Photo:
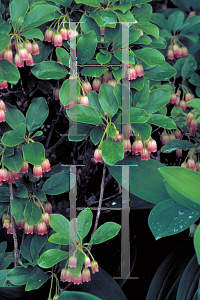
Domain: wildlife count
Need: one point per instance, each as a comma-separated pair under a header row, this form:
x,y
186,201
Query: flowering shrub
x,y
127,80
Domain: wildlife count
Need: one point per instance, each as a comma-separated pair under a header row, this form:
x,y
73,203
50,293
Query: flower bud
x,y
102,30
137,147
94,266
11,178
28,228
152,146
3,85
42,228
45,218
191,164
170,54
78,280
184,51
48,35
112,82
127,145
37,171
29,61
24,168
35,48
87,262
72,34
64,33
57,39
84,100
98,156
96,84
179,152
2,116
87,87
107,76
178,134
190,117
46,165
132,73
173,99
145,155
3,174
194,124
86,275
72,262
182,104
139,70
23,54
8,55
18,62
48,208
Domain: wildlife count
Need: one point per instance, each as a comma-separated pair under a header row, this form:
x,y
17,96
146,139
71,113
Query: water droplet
x,y
157,223
190,217
181,227
113,203
180,212
154,228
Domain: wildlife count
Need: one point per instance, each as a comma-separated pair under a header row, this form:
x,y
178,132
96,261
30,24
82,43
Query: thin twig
x,y
100,203
61,140
52,128
13,229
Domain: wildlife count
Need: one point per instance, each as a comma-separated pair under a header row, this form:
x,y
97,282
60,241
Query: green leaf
x,y
45,50
123,7
108,100
4,41
143,129
63,56
160,43
77,295
14,137
169,217
103,58
32,213
87,24
84,223
195,103
145,181
3,246
135,115
18,9
65,96
130,58
5,28
112,151
39,15
36,281
188,68
105,232
126,17
37,243
21,191
51,257
49,70
197,243
142,13
93,71
37,113
151,57
4,194
14,162
93,3
33,34
59,239
60,224
17,208
38,133
96,134
79,132
14,117
12,76
104,18
84,114
85,53
162,121
149,28
20,275
159,73
57,184
195,79
134,35
138,83
34,153
173,145
176,20
141,97
159,19
157,99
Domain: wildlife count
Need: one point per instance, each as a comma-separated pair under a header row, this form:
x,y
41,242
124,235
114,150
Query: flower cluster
x,y
192,160
134,72
176,51
56,37
84,276
175,99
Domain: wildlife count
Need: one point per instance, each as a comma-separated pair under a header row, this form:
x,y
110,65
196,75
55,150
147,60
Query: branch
x,y
14,229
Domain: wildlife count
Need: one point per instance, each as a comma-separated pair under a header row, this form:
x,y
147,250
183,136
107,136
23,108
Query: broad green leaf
x,y
17,208
45,50
84,223
3,246
103,58
13,75
143,40
151,57
37,243
33,34
5,28
38,133
105,18
36,281
176,20
93,71
37,113
159,73
59,239
4,41
20,275
123,7
112,151
135,115
84,114
195,79
157,99
39,15
4,194
21,191
159,44
120,54
120,92
195,103
148,28
188,68
51,257
49,70
3,207
183,180
63,56
32,213
126,17
25,248
60,224
141,97
108,100
96,134
134,35
87,24
14,137
18,9
14,117
48,246
138,83
169,217
93,3
162,121
173,145
197,243
34,153
57,184
105,232
142,13
65,3
65,96
79,132
145,181
14,162
159,19
80,295
40,195
85,53
143,129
